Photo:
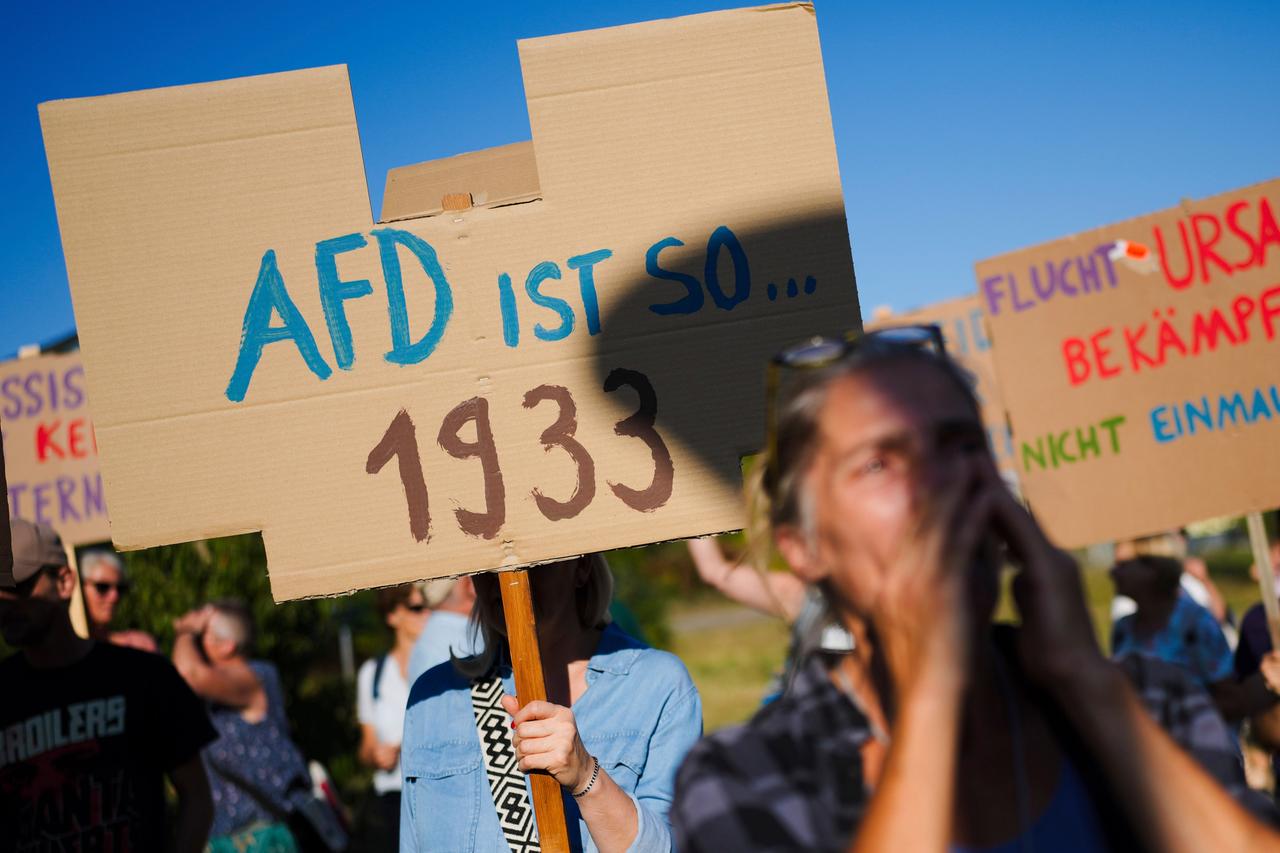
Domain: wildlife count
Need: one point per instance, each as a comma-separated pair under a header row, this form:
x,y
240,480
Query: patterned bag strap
x,y
506,782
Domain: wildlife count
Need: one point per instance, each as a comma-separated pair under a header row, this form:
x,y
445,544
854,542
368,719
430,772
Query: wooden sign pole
x,y
1266,576
522,638
79,614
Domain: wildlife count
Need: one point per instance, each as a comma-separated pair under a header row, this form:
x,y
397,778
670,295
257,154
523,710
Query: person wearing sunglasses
x,y
938,731
449,632
88,730
382,692
103,580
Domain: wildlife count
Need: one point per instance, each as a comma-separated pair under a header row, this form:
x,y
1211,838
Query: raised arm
x,y
232,684
778,594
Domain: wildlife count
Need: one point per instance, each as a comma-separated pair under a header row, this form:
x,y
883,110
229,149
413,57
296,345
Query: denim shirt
x,y
639,716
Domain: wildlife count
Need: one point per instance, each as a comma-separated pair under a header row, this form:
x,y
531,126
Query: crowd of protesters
x,y
904,719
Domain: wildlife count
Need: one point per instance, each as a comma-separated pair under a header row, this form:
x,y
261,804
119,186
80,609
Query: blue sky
x,y
964,130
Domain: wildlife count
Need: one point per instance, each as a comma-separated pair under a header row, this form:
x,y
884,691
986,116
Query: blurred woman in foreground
x,y
936,732
619,719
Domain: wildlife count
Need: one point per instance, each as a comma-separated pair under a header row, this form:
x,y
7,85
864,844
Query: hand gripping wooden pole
x,y
522,638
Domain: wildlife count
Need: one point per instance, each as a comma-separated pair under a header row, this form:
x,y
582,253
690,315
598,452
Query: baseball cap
x,y
34,547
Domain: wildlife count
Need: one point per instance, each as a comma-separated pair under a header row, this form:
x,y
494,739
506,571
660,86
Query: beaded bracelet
x,y
595,773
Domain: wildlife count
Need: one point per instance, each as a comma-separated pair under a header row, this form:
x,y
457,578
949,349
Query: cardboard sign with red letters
x,y
964,330
1140,365
51,454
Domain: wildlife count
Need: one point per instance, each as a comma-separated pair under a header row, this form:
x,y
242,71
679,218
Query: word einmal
x,y
1213,414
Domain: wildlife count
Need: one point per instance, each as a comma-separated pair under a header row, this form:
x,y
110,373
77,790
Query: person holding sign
x,y
619,718
937,731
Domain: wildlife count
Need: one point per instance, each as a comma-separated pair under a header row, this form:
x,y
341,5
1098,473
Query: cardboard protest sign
x,y
964,329
51,455
465,388
1140,367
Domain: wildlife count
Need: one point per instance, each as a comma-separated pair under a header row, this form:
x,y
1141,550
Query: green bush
x,y
646,580
1233,563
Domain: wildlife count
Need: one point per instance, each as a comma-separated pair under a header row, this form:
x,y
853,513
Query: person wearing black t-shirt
x,y
88,730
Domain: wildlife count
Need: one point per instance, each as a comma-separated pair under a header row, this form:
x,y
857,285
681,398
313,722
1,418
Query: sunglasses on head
x,y
819,352
105,587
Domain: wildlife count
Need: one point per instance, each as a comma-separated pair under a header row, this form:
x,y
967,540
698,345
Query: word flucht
x,y
1072,276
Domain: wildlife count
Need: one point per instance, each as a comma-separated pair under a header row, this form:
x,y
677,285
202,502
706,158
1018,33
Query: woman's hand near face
x,y
546,738
923,617
1056,642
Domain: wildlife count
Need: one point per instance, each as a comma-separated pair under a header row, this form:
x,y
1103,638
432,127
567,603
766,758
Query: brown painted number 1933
x,y
401,441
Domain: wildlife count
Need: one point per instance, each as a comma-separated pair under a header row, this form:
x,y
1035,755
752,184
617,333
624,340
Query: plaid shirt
x,y
790,779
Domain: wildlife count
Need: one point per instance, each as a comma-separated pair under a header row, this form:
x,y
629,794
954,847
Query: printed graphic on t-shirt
x,y
57,776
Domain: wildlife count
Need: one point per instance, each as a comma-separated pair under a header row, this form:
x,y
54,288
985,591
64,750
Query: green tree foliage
x,y
645,581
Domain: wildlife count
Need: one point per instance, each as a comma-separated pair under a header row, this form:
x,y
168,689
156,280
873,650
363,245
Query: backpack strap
x,y
378,667
506,782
